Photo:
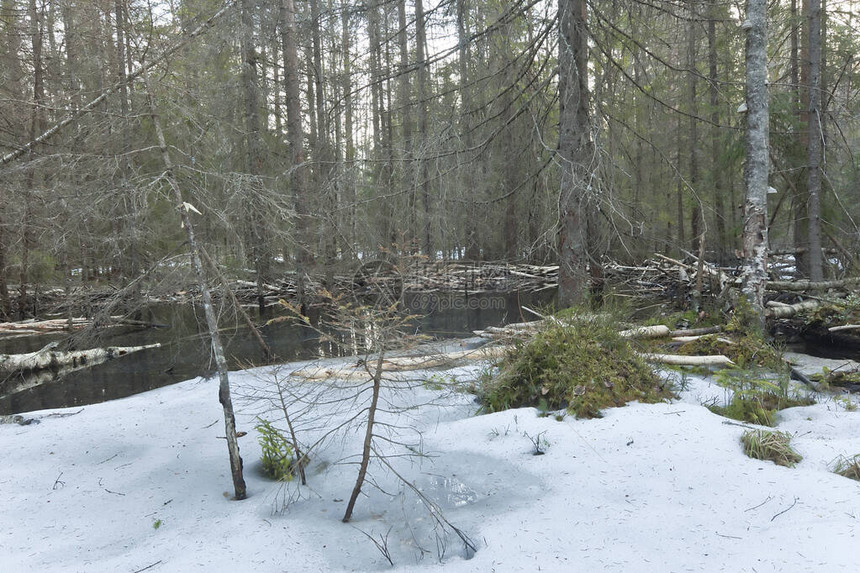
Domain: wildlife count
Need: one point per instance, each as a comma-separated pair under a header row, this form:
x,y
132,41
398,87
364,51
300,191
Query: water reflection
x,y
185,351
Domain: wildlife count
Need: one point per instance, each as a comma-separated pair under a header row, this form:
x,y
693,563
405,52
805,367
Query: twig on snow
x,y
148,566
381,543
785,510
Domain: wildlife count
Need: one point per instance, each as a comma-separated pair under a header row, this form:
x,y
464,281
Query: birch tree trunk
x,y
756,167
211,321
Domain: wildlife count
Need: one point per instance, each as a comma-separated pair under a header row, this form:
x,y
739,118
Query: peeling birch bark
x,y
756,167
792,309
45,359
657,331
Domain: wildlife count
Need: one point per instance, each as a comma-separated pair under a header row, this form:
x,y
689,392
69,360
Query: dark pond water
x,y
185,351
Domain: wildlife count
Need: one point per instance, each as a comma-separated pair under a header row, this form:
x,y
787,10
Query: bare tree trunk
x,y
696,222
368,437
682,237
295,136
404,102
211,321
473,251
717,144
129,266
254,152
5,301
349,136
800,79
323,152
755,241
37,125
423,95
575,152
814,143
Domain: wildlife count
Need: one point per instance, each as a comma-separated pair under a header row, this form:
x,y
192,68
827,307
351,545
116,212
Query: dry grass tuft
x,y
773,446
848,467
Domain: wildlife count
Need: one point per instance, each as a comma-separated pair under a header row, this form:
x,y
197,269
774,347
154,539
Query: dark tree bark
x,y
575,152
254,152
814,142
473,251
295,136
717,142
423,95
348,133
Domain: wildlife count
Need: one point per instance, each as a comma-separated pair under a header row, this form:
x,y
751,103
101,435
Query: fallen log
x,y
685,339
399,364
784,311
844,327
697,331
684,360
43,326
27,327
50,358
804,285
656,331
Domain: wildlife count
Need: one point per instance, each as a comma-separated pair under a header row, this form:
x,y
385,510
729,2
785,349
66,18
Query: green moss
x,y
581,365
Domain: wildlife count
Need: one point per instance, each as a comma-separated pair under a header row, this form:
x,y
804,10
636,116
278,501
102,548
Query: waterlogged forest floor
x,y
143,483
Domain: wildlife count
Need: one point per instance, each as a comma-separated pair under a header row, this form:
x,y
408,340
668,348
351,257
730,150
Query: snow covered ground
x,y
143,484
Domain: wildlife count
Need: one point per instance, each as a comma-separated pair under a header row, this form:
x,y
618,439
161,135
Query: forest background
x,y
307,136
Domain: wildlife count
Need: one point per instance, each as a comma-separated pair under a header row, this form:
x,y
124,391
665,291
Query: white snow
x,y
661,487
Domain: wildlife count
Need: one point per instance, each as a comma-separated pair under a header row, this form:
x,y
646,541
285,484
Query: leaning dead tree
x,y
211,320
183,207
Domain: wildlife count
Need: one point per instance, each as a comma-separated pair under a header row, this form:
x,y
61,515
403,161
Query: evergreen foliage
x,y
578,363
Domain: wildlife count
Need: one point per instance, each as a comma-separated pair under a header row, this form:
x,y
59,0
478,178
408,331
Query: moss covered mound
x,y
582,365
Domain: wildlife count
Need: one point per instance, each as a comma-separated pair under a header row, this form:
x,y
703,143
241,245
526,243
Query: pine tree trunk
x,y
423,95
295,136
575,151
814,142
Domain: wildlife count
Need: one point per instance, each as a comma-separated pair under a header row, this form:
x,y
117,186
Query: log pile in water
x,y
31,327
